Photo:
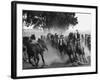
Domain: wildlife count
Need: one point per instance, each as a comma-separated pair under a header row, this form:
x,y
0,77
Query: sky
x,y
84,22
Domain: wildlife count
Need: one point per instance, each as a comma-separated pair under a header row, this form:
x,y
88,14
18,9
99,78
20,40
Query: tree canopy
x,y
50,19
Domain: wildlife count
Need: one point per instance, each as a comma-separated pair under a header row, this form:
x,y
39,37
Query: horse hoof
x,y
33,65
44,65
36,66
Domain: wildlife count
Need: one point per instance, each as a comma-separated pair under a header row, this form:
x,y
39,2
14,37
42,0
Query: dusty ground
x,y
53,59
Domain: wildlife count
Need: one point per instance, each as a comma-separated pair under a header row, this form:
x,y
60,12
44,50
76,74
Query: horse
x,y
80,52
30,52
61,45
69,49
33,51
43,44
25,56
55,41
43,47
49,37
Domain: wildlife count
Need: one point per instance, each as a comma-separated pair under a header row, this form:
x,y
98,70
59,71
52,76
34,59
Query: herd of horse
x,y
33,50
73,45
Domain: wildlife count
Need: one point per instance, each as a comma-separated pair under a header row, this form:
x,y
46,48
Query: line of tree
x,y
50,19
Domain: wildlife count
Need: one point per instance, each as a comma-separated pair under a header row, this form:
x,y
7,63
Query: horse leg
x,y
61,50
76,57
84,59
29,59
81,58
70,59
37,58
35,61
42,58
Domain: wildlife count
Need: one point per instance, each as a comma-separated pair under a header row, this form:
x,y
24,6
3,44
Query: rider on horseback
x,y
61,43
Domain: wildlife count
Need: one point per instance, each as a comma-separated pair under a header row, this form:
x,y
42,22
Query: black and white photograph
x,y
56,39
53,39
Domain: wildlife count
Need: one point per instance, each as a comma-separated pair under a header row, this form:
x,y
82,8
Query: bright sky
x,y
84,22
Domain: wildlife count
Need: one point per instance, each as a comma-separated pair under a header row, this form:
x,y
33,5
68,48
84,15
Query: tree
x,y
48,20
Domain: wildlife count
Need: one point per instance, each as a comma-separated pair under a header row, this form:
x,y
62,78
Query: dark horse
x,y
69,49
61,46
80,52
33,51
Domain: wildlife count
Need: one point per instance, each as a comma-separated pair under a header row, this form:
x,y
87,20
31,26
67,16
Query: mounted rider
x,y
77,35
61,40
78,38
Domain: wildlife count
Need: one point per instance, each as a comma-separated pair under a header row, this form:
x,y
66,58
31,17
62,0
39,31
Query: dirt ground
x,y
53,59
